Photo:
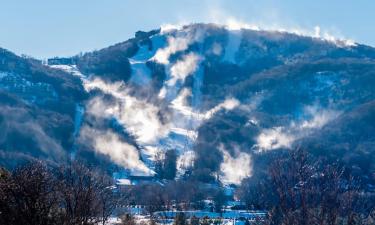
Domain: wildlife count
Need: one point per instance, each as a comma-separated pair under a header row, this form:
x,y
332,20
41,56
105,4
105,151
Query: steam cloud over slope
x,y
154,127
195,62
219,95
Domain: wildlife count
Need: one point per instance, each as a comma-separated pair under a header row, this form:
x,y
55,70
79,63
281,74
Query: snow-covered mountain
x,y
225,100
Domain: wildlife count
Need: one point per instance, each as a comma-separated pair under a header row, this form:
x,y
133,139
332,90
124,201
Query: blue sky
x,y
45,28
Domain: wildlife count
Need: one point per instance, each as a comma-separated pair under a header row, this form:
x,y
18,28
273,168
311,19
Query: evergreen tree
x,y
170,164
194,220
180,219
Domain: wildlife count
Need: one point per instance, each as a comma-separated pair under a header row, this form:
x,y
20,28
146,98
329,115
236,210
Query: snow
x,y
144,53
284,136
185,116
141,74
197,88
235,168
140,117
72,69
192,134
185,161
3,74
78,118
182,68
235,214
35,92
123,182
175,44
233,44
150,153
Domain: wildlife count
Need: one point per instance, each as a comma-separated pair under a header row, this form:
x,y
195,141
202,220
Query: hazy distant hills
x,y
224,99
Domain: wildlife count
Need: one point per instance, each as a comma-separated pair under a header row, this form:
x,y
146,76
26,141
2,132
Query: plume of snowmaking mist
x,y
275,137
142,118
182,68
181,106
188,64
219,15
138,116
186,119
18,120
110,144
235,168
284,136
175,44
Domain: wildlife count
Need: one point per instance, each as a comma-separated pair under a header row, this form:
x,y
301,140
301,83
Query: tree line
x,y
40,194
297,189
302,189
35,194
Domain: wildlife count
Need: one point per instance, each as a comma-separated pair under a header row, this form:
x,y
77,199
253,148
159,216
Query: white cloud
x,y
234,169
184,67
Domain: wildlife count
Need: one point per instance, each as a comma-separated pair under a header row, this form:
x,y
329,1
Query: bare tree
x,y
27,196
127,219
180,219
86,195
35,194
219,199
313,191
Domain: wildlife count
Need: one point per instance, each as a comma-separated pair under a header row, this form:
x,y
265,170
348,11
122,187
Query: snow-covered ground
x,y
72,69
225,218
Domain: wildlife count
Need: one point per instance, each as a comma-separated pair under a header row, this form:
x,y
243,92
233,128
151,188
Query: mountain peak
x,y
217,96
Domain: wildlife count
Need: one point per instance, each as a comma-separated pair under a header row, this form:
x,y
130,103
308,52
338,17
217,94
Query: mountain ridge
x,y
216,96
